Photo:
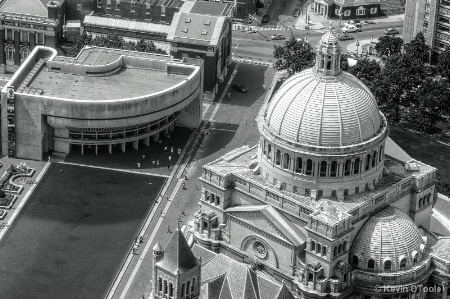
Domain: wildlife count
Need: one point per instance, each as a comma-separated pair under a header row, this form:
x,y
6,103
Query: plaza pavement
x,y
232,125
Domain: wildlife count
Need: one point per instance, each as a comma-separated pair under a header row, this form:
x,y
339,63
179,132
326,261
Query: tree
x,y
389,45
443,64
418,48
397,82
366,70
294,56
432,102
344,62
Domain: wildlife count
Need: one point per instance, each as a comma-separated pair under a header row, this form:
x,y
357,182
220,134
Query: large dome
x,y
388,241
319,110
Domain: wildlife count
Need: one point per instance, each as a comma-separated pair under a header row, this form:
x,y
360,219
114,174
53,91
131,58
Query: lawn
x,y
74,232
427,151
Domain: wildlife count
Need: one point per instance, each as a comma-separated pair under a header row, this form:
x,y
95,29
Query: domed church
x,y
326,202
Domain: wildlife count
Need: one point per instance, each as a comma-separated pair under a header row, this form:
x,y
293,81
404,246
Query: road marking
x,y
225,90
150,240
114,169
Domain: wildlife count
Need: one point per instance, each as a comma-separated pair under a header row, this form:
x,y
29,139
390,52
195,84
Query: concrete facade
x,y
35,122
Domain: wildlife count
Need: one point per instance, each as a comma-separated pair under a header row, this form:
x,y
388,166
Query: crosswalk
x,y
250,61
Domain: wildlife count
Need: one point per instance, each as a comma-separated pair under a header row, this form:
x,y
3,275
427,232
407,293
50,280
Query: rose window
x,y
259,249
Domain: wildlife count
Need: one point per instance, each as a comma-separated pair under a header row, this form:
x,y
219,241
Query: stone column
x,y
16,47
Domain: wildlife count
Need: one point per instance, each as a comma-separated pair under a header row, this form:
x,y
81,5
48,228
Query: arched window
x,y
355,260
206,196
387,265
170,290
299,165
24,53
159,284
429,198
278,158
9,53
335,253
345,246
323,168
371,264
340,248
333,169
374,160
368,162
324,251
193,285
309,167
318,248
420,202
402,263
188,287
356,166
381,154
313,245
286,161
415,257
182,289
264,147
347,167
269,152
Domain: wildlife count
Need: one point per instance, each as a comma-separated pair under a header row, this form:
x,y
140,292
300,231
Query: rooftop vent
x,y
207,22
188,20
185,30
204,32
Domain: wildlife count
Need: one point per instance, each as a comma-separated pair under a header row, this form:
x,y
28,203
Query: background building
x,y
350,9
326,201
100,99
432,17
23,27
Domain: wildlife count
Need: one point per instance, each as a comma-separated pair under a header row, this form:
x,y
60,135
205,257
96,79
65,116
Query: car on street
x,y
391,31
351,28
353,23
265,19
345,37
296,13
240,88
277,36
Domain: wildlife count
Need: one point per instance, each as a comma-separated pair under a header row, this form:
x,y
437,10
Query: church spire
x,y
328,57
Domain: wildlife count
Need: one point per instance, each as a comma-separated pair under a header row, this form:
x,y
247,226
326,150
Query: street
x,y
259,47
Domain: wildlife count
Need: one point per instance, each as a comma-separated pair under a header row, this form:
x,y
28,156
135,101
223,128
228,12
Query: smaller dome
x,y
388,241
157,247
330,38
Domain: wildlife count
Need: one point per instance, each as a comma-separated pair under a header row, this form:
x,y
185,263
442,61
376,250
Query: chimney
x,y
53,7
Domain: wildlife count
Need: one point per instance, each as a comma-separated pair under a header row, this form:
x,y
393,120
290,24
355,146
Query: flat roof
x,y
127,83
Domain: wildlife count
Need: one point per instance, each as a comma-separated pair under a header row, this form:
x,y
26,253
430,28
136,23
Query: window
x,y
133,9
320,193
347,13
445,20
39,38
381,153
373,10
356,166
309,167
344,247
318,248
427,7
313,246
387,265
426,16
368,162
117,4
10,53
335,252
340,248
23,36
99,3
403,264
269,152
108,4
163,10
345,192
299,165
347,165
24,52
323,168
324,251
295,189
147,8
374,160
371,264
333,193
355,260
78,6
188,287
336,11
307,192
333,169
286,161
9,34
278,158
415,257
356,190
360,11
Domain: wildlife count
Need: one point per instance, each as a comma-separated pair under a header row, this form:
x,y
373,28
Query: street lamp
x,y
357,45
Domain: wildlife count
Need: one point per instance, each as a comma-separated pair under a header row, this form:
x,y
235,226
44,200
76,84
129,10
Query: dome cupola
x,y
328,54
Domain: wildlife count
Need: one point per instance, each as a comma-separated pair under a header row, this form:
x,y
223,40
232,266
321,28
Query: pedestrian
x,y
168,229
171,149
160,212
141,239
168,166
139,165
182,213
179,151
134,250
143,157
170,158
157,162
153,162
48,158
165,148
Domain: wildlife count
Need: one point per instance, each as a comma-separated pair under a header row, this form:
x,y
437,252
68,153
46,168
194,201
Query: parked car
x,y
265,19
391,31
351,28
296,13
353,23
240,88
345,37
277,36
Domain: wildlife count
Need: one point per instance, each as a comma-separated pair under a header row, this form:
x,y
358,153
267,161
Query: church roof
x,y
29,7
393,150
290,231
178,255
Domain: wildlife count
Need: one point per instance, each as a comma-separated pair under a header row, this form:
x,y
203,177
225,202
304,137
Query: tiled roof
x,y
30,7
178,255
393,150
355,2
196,28
115,23
204,253
291,232
284,293
213,8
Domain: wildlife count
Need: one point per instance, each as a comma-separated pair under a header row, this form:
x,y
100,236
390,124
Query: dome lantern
x,y
328,57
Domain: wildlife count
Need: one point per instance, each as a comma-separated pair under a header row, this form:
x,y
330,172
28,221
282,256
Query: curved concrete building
x,y
101,98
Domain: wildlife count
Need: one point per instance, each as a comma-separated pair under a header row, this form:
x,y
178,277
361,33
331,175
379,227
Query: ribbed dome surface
x,y
329,38
323,110
388,235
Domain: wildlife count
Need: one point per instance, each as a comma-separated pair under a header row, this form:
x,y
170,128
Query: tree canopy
x,y
367,70
418,48
389,45
294,56
112,41
443,64
397,82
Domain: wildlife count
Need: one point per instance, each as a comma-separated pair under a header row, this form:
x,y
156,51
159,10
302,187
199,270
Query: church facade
x,y
326,202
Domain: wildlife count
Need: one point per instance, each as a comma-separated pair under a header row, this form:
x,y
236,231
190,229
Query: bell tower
x,y
328,57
